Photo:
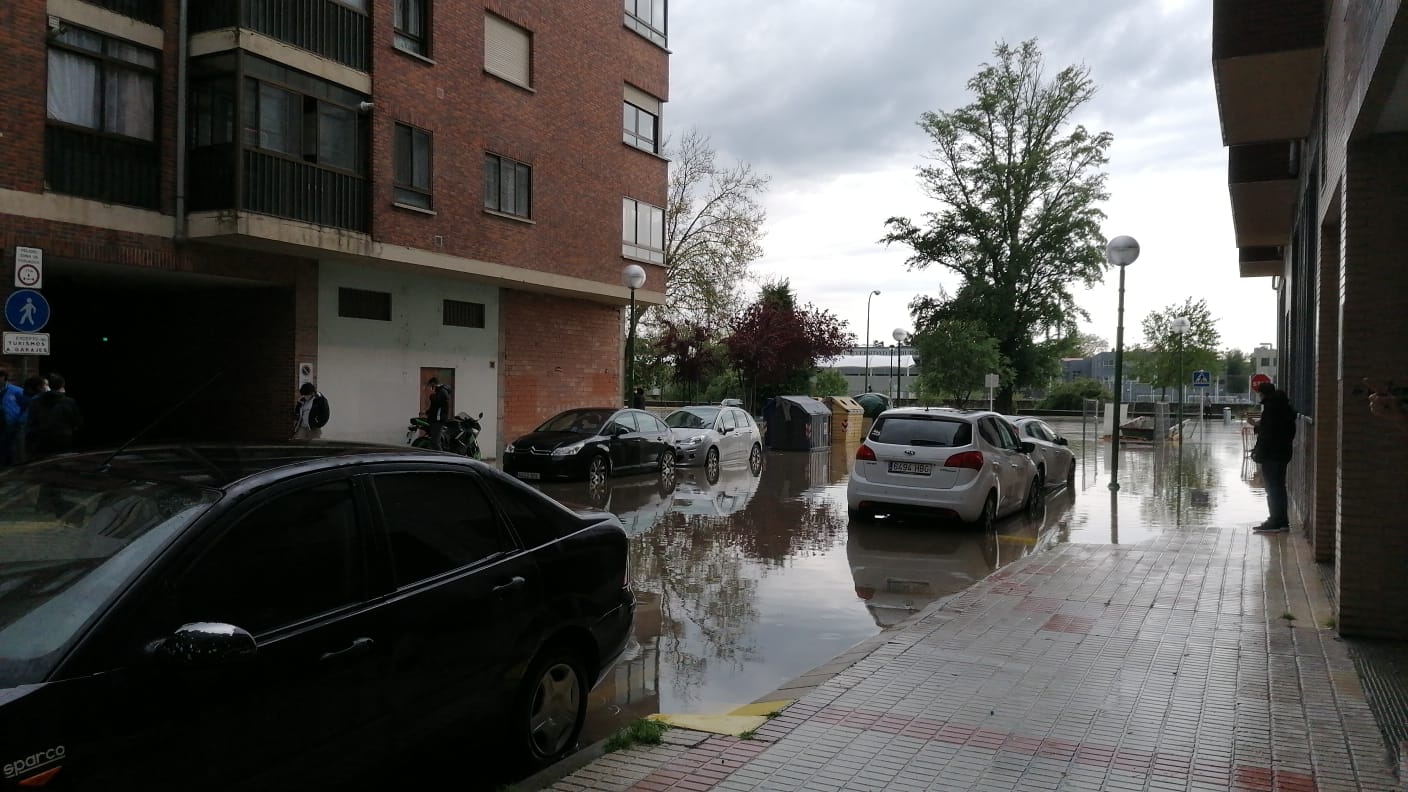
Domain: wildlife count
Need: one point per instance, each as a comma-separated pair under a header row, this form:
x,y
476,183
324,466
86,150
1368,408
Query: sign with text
x,y
1258,380
29,268
990,381
26,343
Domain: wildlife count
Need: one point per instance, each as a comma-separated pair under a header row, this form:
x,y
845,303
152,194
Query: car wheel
x,y
667,461
711,464
551,707
755,459
1071,474
1041,477
1033,502
598,470
988,518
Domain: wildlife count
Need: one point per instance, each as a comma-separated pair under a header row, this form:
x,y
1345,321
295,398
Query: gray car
x,y
712,435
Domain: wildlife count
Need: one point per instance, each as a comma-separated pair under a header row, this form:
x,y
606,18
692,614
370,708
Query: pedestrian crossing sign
x,y
1202,379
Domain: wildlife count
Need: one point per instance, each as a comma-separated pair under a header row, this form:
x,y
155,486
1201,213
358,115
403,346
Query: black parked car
x,y
291,616
593,442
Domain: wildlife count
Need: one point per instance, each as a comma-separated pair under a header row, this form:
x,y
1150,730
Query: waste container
x,y
846,418
873,403
798,423
1226,416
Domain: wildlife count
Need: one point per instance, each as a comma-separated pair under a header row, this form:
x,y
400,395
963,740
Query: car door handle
x,y
514,583
358,647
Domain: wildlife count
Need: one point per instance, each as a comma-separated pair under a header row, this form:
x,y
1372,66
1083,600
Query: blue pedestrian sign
x,y
26,310
1202,379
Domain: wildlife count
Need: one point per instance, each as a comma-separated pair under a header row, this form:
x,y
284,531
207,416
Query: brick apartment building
x,y
1313,96
360,192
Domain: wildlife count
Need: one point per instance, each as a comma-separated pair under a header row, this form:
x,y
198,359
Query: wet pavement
x,y
1143,639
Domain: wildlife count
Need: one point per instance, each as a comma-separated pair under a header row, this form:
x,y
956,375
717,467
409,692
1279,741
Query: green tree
x,y
954,357
829,382
776,344
1236,371
1197,346
1090,345
713,233
1019,190
1071,395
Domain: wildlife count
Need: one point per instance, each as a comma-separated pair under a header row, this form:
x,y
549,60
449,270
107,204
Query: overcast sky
x,y
824,96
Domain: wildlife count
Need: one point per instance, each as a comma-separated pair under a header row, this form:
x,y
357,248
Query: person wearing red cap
x,y
1275,432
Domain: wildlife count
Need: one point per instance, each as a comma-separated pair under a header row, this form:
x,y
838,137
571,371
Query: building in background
x,y
358,192
1313,98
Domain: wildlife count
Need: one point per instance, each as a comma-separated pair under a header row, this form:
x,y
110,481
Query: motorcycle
x,y
461,435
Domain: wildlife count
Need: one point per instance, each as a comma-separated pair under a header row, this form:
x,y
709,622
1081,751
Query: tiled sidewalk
x,y
1201,660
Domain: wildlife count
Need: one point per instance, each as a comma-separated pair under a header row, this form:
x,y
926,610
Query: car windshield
x,y
905,430
587,422
692,418
69,543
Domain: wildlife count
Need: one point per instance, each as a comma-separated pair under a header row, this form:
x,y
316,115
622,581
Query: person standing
x,y
54,418
638,399
12,403
1274,432
303,428
437,412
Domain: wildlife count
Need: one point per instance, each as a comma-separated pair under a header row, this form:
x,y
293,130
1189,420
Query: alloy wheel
x,y
598,469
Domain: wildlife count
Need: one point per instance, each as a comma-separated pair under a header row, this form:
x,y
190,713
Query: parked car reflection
x,y
638,501
899,568
718,491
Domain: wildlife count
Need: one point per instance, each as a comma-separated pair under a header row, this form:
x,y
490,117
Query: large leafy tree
x,y
1019,188
693,358
1236,371
713,233
1172,357
954,357
776,344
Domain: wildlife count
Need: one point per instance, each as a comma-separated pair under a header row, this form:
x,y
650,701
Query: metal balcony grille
x,y
323,27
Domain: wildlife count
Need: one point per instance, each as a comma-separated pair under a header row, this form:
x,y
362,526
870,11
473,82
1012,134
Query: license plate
x,y
529,475
915,468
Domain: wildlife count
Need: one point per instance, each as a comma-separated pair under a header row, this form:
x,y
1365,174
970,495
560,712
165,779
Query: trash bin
x,y
846,418
798,423
873,403
1226,416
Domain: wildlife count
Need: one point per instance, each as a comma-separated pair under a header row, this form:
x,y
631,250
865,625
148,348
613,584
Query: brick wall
x,y
23,63
558,353
1327,397
1373,528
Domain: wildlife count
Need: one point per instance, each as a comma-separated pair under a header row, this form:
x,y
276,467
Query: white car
x,y
968,464
1055,462
712,435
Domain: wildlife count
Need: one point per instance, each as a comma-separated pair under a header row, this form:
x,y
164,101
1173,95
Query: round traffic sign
x,y
26,310
1258,379
27,275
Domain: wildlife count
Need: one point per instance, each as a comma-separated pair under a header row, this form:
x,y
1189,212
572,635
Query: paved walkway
x,y
1202,659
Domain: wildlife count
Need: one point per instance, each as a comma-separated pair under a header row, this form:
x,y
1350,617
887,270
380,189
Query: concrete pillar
x,y
1372,535
1326,410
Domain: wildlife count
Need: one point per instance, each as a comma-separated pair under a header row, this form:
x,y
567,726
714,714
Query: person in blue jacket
x,y
13,402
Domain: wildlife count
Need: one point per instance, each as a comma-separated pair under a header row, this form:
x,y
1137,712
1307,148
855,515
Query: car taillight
x,y
865,453
967,459
865,592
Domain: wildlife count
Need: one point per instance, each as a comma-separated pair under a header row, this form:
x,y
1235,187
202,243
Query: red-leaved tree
x,y
775,345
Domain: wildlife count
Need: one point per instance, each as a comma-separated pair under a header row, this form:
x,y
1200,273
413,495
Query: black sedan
x,y
292,616
592,442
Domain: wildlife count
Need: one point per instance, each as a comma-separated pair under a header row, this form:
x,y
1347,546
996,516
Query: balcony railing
x,y
324,27
102,167
148,11
278,186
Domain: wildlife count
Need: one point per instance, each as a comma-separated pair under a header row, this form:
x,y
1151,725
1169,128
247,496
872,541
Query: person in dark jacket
x,y
54,417
1274,432
437,412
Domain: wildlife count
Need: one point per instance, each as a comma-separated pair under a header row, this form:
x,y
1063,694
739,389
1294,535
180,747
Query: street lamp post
x,y
633,276
899,334
1180,326
867,339
1121,252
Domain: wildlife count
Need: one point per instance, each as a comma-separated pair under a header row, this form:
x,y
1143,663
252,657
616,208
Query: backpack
x,y
320,412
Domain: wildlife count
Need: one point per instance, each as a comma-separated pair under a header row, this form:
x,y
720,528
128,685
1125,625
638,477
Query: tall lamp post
x,y
867,339
633,276
1121,252
1179,325
899,334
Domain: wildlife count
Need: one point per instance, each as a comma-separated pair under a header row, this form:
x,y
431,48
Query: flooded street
x,y
753,579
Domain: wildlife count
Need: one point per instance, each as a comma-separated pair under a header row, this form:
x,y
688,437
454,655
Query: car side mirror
x,y
203,644
1062,441
1028,446
621,430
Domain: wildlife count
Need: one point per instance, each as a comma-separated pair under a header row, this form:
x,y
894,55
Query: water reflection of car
x,y
712,435
637,501
1055,462
291,615
591,442
899,569
727,491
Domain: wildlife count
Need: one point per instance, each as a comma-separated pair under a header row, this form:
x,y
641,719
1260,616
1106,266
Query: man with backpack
x,y
310,414
437,412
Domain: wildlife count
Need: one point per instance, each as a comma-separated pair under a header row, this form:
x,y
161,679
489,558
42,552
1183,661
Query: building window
x,y
364,304
280,120
508,186
647,17
102,83
642,231
508,51
458,313
412,166
641,120
413,26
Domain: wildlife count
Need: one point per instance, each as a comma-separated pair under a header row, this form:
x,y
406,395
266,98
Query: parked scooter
x,y
461,434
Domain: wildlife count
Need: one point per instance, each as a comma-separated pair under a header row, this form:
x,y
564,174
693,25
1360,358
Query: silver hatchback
x,y
712,435
969,464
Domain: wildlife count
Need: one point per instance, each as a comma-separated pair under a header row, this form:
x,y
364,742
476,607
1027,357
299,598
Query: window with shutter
x,y
508,51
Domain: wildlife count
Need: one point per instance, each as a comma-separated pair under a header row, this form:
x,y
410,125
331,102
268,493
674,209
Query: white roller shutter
x,y
508,50
643,100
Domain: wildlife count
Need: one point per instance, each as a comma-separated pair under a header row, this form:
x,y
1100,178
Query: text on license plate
x,y
525,474
917,468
